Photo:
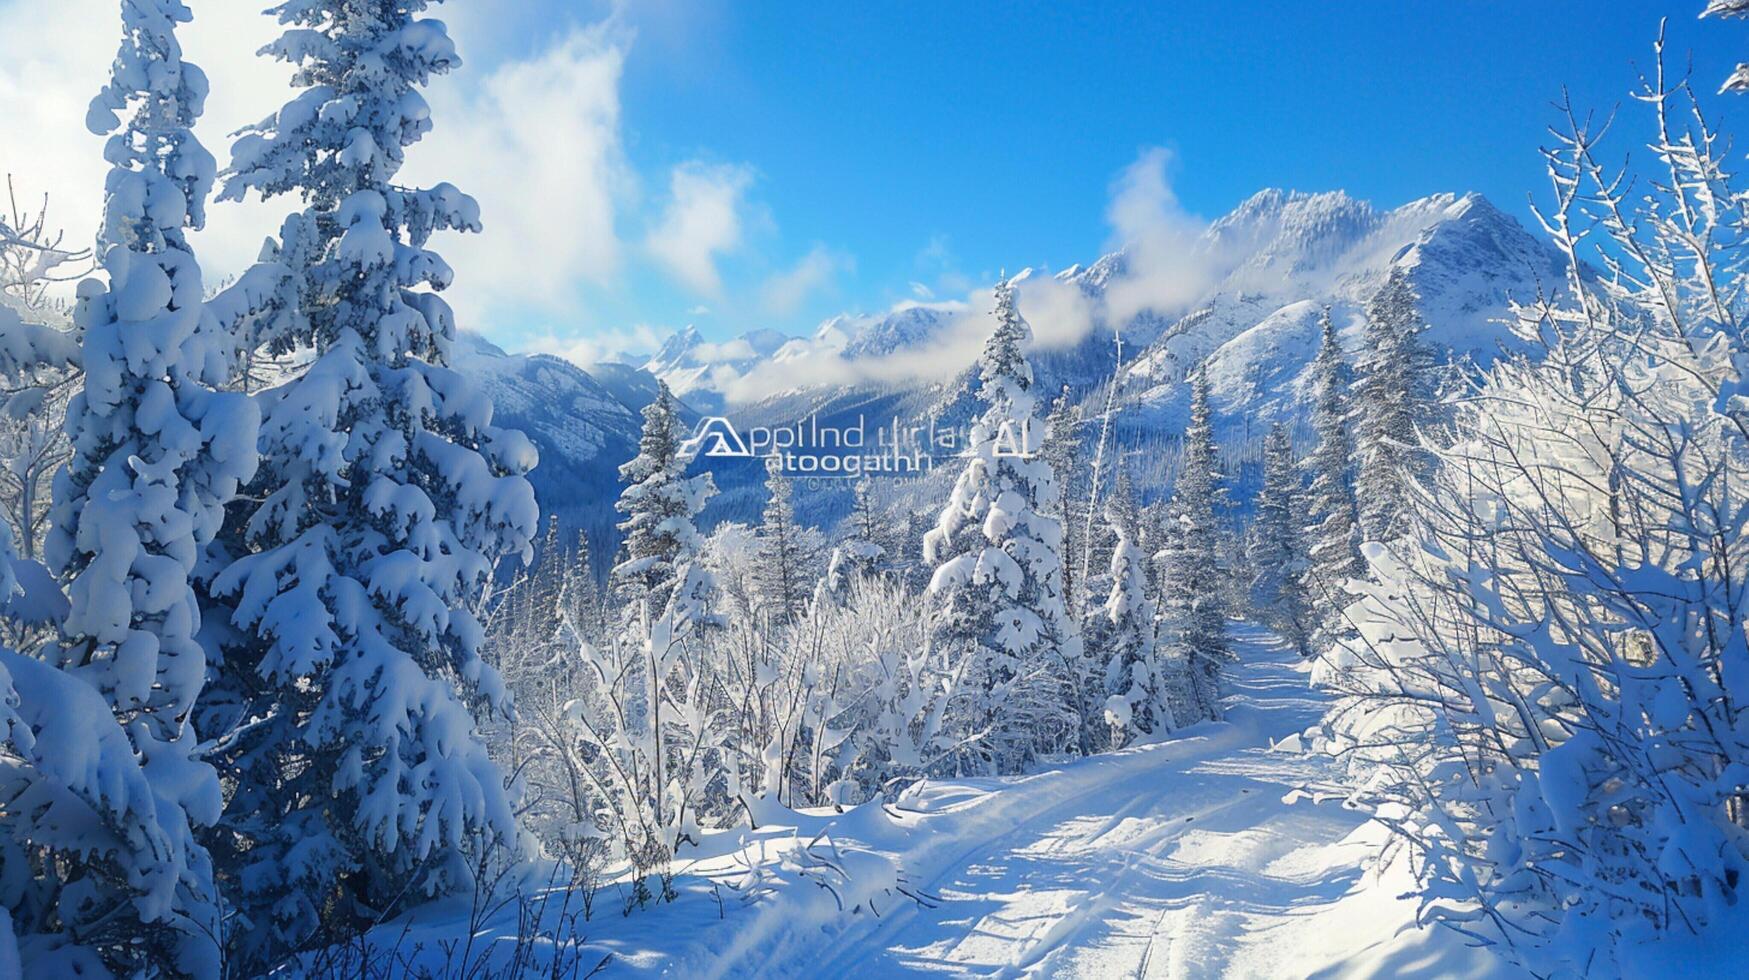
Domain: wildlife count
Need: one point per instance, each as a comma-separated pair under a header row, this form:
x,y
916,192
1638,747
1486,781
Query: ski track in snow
x,y
1180,859
1183,863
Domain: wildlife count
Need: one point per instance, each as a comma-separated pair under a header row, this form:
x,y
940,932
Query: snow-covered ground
x,y
1224,851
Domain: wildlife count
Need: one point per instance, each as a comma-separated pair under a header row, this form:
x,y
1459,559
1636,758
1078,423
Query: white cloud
x,y
54,57
785,292
1168,265
702,220
537,141
735,349
629,344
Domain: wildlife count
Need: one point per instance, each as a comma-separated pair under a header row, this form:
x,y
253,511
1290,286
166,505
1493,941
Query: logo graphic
x,y
725,440
852,449
1012,439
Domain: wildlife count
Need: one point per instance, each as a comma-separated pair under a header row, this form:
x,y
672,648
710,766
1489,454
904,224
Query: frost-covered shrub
x,y
640,734
1547,686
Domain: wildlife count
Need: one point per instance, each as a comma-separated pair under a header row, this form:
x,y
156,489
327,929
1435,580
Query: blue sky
x,y
917,139
649,163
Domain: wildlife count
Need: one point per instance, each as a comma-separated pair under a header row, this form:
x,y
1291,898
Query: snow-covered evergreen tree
x,y
1275,549
1122,635
859,554
1333,549
385,499
580,595
1389,399
660,504
156,455
998,582
1193,586
1061,449
787,552
99,870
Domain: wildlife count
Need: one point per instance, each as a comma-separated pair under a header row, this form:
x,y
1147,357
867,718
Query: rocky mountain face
x,y
1303,253
585,424
1272,265
1265,273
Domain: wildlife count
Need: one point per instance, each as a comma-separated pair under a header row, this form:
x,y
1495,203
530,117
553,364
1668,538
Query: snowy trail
x,y
1201,856
1180,861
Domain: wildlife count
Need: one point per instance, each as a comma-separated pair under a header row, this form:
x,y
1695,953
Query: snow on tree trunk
x,y
998,583
386,497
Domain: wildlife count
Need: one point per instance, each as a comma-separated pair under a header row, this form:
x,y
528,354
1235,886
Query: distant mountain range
x,y
1267,270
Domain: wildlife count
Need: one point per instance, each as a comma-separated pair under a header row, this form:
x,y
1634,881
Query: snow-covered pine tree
x,y
580,593
156,455
1275,549
1061,450
547,576
785,572
660,504
907,551
859,554
998,582
1333,550
1389,397
386,497
1135,703
99,865
1193,605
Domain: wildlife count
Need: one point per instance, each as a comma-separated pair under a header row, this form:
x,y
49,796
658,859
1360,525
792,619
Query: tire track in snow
x,y
1113,847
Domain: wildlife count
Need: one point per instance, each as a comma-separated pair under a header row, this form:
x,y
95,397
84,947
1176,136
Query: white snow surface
x,y
1225,850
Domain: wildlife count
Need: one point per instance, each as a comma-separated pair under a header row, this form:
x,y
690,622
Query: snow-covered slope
x,y
583,428
1300,253
1270,266
1220,852
701,371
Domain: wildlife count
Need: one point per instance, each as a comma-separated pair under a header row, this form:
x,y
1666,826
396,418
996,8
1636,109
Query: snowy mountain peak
x,y
1278,234
1463,257
675,350
1272,264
